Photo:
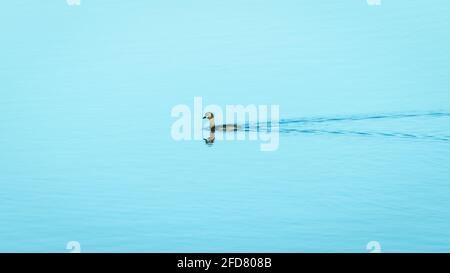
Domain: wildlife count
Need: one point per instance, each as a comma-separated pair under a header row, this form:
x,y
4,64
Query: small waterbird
x,y
223,127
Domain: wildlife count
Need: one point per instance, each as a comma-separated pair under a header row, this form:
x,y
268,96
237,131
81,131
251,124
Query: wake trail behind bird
x,y
411,125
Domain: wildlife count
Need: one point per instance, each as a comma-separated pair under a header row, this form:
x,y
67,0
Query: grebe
x,y
222,127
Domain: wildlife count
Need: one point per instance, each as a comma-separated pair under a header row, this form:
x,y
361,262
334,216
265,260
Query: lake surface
x,y
87,155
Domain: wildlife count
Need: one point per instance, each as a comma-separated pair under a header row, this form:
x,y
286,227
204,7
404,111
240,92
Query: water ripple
x,y
320,125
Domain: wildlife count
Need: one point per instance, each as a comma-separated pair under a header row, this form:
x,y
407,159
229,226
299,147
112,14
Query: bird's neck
x,y
212,125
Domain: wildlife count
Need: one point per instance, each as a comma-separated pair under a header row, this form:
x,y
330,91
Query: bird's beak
x,y
204,117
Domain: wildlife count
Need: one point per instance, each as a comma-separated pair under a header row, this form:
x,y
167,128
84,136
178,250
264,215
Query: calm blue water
x,y
86,152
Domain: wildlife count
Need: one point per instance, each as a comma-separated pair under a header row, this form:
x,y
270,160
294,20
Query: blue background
x,y
86,152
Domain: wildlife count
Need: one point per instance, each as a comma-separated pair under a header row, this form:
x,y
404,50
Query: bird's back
x,y
228,127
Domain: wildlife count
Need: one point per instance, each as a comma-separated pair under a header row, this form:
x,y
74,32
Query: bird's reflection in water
x,y
212,137
210,140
